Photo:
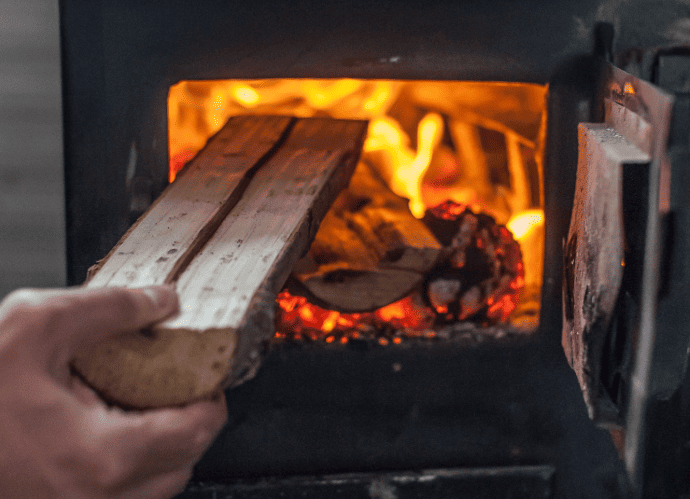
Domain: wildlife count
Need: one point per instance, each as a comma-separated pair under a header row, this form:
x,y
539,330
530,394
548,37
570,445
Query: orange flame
x,y
307,319
523,223
431,141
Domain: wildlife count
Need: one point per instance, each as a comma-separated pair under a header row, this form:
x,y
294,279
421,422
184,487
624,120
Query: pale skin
x,y
58,439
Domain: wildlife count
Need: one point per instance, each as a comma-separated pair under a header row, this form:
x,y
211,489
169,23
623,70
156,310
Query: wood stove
x,y
505,413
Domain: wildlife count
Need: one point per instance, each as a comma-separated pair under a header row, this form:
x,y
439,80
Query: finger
x,y
161,440
83,393
108,312
184,434
65,321
161,486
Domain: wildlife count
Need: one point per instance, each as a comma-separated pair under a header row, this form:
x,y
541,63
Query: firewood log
x,y
370,251
227,232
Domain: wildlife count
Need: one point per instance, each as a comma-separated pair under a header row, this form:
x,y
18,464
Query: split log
x,y
369,252
163,241
228,231
594,255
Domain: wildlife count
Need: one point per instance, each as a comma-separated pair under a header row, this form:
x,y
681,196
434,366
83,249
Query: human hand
x,y
58,439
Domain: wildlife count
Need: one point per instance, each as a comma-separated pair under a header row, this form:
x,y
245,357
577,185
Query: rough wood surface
x,y
594,256
370,251
228,285
175,227
629,124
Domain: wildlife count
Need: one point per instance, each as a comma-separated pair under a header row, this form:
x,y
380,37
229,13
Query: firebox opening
x,y
450,161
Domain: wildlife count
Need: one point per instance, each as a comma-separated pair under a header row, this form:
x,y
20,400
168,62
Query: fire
x,y
246,96
499,256
304,319
478,144
415,315
523,223
407,166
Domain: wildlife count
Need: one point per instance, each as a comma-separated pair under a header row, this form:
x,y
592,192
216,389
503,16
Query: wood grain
x,y
161,243
228,287
594,256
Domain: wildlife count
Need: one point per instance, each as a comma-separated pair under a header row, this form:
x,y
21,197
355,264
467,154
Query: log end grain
x,y
158,368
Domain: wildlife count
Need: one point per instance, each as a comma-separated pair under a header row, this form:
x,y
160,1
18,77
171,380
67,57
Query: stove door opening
x,y
440,233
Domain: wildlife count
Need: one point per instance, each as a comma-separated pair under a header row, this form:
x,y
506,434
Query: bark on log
x,y
594,256
369,252
228,231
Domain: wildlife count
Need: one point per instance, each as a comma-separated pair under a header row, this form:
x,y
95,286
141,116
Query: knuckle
x,y
24,306
57,313
124,304
110,471
94,460
22,296
21,301
178,480
61,309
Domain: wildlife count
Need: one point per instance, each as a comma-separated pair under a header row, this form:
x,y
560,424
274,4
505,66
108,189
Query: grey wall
x,y
31,190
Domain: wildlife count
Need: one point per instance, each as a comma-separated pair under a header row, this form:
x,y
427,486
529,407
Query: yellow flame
x,y
330,322
407,181
406,167
322,95
523,223
628,88
246,95
198,109
385,133
379,98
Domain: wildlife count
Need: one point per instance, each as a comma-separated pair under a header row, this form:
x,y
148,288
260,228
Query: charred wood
x,y
370,251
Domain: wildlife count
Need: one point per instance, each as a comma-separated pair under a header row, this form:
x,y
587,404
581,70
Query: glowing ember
x,y
484,274
485,264
302,318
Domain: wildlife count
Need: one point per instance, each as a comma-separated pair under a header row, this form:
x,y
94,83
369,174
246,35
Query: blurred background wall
x,y
31,190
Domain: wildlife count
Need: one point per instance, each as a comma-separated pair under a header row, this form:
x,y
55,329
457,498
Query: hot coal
x,y
476,285
480,280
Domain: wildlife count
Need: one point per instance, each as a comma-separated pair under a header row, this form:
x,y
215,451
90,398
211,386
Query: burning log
x,y
482,277
369,252
227,232
473,287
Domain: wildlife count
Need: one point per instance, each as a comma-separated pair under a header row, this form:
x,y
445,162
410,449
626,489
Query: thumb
x,y
106,312
62,322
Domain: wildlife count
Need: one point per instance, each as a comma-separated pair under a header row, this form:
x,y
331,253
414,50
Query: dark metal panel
x,y
85,141
665,464
331,409
655,104
515,482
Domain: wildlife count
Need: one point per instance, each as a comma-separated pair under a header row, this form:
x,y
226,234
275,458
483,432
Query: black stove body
x,y
492,419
